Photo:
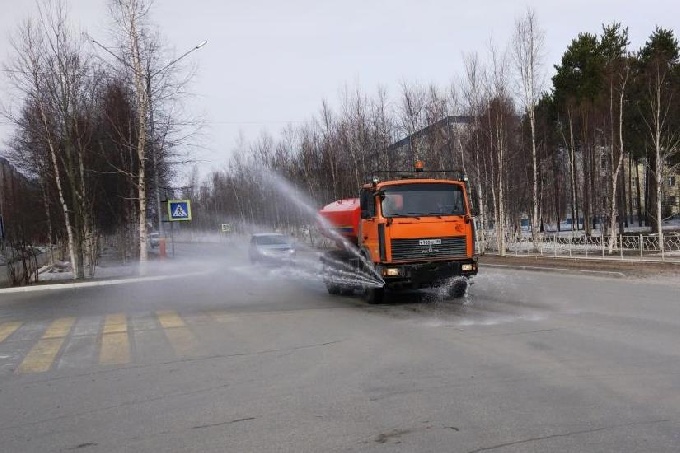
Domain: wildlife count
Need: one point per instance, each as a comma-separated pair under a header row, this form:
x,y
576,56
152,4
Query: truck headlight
x,y
468,267
391,271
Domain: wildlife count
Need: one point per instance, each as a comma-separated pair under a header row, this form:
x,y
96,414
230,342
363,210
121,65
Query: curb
x,y
558,269
91,284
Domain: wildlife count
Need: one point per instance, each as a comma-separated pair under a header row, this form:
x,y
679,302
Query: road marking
x,y
7,329
40,358
59,328
169,319
180,337
196,318
115,348
116,323
222,316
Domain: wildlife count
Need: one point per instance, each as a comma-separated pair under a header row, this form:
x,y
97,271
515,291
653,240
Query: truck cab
x,y
418,232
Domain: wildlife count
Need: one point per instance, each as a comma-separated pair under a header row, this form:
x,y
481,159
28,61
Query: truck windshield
x,y
413,200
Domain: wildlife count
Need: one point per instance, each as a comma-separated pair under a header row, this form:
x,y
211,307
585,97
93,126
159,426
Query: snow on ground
x,y
62,271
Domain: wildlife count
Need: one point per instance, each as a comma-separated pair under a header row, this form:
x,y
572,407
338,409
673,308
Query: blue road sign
x,y
179,210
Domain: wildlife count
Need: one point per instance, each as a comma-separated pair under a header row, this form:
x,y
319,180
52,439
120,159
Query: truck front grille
x,y
411,249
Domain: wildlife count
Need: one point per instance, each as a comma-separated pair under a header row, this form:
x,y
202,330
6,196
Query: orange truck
x,y
412,232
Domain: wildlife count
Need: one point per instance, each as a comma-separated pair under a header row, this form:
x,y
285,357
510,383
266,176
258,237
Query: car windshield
x,y
414,200
271,239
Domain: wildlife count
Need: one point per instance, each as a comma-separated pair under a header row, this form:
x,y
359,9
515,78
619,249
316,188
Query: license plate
x,y
430,242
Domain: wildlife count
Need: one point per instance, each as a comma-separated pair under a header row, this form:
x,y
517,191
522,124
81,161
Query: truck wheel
x,y
374,295
332,288
346,291
458,289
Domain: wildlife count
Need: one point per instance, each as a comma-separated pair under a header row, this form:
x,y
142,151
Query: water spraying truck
x,y
410,232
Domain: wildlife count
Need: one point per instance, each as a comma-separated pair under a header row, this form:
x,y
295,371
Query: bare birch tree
x,y
617,70
473,95
660,59
412,117
131,16
498,123
527,51
52,72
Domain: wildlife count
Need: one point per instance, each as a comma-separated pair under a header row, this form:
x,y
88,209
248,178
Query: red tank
x,y
343,217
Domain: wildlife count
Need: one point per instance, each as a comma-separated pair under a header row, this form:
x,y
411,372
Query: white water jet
x,y
351,274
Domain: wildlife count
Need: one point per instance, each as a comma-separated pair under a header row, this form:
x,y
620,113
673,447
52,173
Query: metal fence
x,y
627,246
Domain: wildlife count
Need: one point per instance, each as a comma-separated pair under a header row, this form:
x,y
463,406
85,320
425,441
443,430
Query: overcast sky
x,y
271,62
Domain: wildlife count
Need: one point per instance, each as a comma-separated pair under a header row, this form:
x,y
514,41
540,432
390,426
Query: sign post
x,y
178,211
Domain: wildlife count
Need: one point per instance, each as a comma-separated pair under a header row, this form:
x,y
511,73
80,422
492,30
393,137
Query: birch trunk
x,y
615,172
572,168
60,191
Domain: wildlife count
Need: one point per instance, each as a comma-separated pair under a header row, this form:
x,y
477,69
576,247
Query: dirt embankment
x,y
626,268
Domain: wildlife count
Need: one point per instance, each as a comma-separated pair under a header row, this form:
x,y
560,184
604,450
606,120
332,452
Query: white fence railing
x,y
625,246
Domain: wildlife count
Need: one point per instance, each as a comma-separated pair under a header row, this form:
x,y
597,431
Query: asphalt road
x,y
212,354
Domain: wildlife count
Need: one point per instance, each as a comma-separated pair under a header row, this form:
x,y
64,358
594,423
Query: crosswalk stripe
x,y
180,337
115,323
193,319
7,329
40,358
59,328
69,339
169,319
115,348
222,316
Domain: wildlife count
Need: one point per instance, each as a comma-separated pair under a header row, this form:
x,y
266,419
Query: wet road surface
x,y
240,358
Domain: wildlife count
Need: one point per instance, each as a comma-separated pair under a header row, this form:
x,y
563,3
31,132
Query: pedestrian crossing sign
x,y
179,210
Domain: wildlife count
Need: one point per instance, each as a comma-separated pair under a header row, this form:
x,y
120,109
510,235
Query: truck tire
x,y
346,291
458,289
332,288
374,295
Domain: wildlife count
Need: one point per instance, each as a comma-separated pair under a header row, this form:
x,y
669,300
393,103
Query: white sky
x,y
271,62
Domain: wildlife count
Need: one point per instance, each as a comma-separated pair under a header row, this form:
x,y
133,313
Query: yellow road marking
x,y
182,340
115,323
59,328
7,329
115,348
180,337
40,358
169,319
222,316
